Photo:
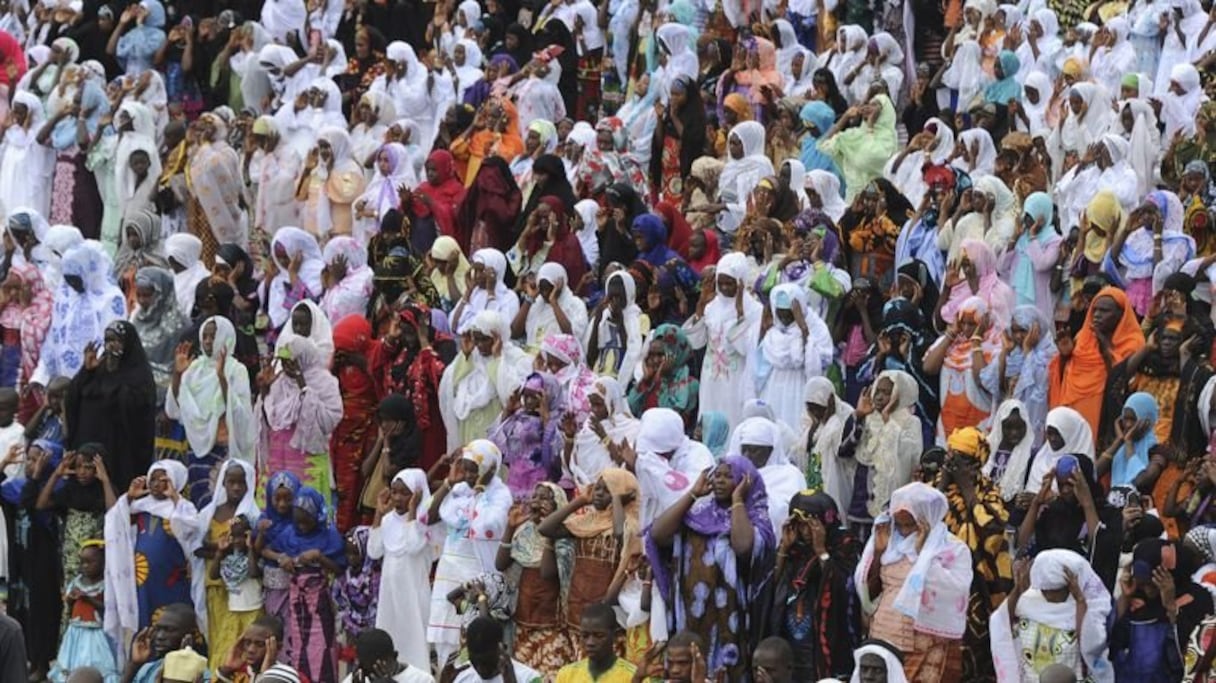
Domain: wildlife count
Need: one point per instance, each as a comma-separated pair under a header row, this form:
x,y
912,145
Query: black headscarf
x,y
405,448
616,241
523,53
834,97
692,142
918,272
116,408
232,254
555,184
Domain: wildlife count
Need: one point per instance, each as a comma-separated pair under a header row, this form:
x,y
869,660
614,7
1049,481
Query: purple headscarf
x,y
657,252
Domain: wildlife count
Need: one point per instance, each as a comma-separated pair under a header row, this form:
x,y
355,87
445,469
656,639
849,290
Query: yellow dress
x,y
224,627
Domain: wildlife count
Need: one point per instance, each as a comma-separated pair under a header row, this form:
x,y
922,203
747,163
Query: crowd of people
x,y
555,340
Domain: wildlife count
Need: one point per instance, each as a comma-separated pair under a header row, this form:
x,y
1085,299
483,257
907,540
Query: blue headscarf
x,y
94,103
652,228
279,522
823,117
11,489
1128,465
1008,87
142,42
715,432
1039,207
324,537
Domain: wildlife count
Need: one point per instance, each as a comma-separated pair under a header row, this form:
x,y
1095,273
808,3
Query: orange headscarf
x,y
1084,374
486,142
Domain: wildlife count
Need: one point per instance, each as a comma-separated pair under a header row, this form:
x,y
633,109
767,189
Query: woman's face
x,y
1054,438
722,483
599,407
1013,429
234,483
512,42
432,173
601,497
384,162
282,500
881,395
458,55
642,86
399,496
678,98
304,521
696,245
158,485
554,365
484,344
113,343
532,400
543,502
727,286
363,45
1106,315
208,338
532,142
604,142
1075,103
905,523
301,321
1127,119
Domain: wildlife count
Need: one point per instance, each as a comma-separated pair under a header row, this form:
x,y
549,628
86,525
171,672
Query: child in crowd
x,y
234,592
84,642
276,518
355,591
599,631
183,666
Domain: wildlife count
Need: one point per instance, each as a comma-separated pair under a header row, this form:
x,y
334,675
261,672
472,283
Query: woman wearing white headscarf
x,y
184,253
1144,141
677,57
283,17
1037,52
725,326
914,577
137,133
823,193
869,656
85,304
964,75
1067,433
473,504
888,440
25,165
1181,34
932,145
1041,609
216,183
848,51
1009,461
291,249
828,418
1104,165
1086,118
799,75
329,184
614,339
746,165
48,254
974,152
416,93
609,423
466,66
792,345
210,397
887,66
639,120
394,170
350,278
540,318
273,168
156,523
1114,56
402,537
538,96
1181,101
372,116
477,384
1034,107
762,441
995,224
488,291
309,321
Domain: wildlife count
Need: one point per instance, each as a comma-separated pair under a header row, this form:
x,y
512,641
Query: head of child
x,y
598,628
265,632
8,405
682,650
773,656
375,652
307,511
239,531
92,561
483,637
85,465
235,484
399,496
283,500
56,391
159,484
183,666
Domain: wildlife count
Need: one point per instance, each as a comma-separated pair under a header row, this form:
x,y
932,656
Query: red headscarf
x,y
445,195
678,229
713,252
12,55
565,249
356,357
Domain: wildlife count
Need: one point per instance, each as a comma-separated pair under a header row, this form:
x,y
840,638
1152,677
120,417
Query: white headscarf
x,y
827,185
504,301
402,536
542,321
186,250
1012,478
740,176
895,668
295,241
1078,440
321,333
1050,572
837,472
200,402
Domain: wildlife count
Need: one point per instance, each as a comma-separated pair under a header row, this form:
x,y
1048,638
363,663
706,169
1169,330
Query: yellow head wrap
x,y
969,441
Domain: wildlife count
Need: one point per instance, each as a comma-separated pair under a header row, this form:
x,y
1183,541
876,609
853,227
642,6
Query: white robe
x,y
404,602
728,339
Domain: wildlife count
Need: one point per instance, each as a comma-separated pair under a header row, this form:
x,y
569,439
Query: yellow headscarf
x,y
1103,212
969,441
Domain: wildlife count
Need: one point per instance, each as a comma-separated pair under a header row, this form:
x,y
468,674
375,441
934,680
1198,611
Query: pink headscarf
x,y
992,290
31,321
